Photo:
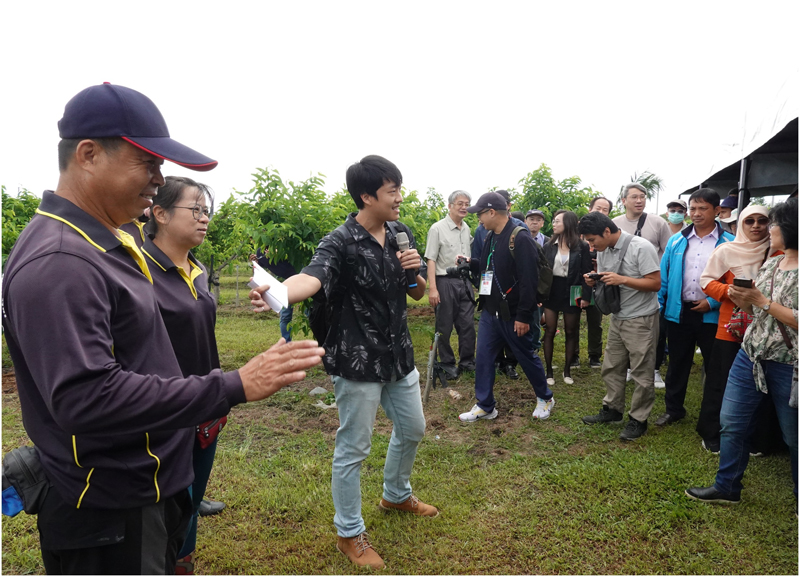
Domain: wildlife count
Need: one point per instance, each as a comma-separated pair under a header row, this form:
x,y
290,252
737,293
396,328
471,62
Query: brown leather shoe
x,y
359,550
412,505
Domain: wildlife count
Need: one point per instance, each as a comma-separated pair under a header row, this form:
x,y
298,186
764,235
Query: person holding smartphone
x,y
736,263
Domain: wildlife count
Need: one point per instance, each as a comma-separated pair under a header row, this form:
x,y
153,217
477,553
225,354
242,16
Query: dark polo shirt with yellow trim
x,y
188,308
101,391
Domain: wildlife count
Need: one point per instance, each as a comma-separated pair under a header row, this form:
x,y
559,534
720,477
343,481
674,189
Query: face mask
x,y
675,217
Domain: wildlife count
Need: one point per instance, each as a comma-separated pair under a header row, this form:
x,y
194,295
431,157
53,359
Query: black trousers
x,y
137,541
722,355
594,333
684,337
456,309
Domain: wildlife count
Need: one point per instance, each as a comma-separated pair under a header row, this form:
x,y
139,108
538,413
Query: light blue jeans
x,y
358,405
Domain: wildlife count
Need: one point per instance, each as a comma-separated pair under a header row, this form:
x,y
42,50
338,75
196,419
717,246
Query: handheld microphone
x,y
402,244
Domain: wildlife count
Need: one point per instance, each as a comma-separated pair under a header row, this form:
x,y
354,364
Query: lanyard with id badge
x,y
488,278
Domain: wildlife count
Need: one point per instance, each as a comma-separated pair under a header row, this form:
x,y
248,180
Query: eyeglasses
x,y
752,221
197,211
636,197
462,204
773,224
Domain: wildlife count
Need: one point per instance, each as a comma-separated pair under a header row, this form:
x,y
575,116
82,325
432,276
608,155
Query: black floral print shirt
x,y
370,342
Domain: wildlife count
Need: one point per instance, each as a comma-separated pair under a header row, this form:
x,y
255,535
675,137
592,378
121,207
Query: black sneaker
x,y
633,430
595,363
575,363
606,415
710,446
511,372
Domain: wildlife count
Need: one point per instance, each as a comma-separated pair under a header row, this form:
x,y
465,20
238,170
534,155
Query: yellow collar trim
x,y
68,223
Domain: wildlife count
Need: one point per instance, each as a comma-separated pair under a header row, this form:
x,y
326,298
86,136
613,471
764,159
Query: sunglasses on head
x,y
751,221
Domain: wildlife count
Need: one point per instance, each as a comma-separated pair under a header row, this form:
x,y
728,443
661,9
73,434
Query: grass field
x,y
516,496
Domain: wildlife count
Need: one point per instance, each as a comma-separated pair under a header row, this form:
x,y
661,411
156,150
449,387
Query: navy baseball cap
x,y
534,212
111,111
730,202
487,201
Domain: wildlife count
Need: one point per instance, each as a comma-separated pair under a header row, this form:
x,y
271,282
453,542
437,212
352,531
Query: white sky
x,y
460,95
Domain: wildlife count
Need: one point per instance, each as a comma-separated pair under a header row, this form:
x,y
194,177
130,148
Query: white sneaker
x,y
550,381
628,377
476,413
658,381
568,380
543,408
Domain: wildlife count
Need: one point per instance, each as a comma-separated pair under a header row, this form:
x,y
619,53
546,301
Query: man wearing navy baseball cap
x,y
101,391
508,302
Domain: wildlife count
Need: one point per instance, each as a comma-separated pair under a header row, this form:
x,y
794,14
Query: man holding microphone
x,y
368,349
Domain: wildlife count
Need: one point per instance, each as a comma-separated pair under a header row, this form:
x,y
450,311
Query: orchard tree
x,y
541,191
17,212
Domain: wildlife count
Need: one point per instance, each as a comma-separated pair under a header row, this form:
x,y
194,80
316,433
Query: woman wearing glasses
x,y
740,258
179,222
766,363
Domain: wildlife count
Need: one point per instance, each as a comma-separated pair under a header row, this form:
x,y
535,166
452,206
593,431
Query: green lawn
x,y
516,496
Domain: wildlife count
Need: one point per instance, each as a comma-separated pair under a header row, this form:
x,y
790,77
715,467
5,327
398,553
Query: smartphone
x,y
594,276
743,282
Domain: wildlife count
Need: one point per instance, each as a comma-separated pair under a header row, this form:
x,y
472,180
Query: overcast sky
x,y
460,95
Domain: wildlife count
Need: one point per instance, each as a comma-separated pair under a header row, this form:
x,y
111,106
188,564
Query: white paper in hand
x,y
277,297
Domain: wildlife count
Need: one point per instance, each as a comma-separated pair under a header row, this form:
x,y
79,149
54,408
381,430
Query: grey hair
x,y
631,185
457,193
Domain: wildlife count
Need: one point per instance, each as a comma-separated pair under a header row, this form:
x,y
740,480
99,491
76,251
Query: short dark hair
x,y
596,223
708,195
784,215
170,194
596,198
67,146
368,175
518,215
734,191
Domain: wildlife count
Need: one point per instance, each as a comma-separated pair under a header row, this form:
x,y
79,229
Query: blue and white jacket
x,y
670,296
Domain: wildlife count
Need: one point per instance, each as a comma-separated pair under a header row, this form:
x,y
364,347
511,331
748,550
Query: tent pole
x,y
744,194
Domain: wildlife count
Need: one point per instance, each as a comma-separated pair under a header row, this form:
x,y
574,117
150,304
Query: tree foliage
x,y
17,212
541,191
651,183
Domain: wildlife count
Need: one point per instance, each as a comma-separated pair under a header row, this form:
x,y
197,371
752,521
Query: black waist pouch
x,y
23,474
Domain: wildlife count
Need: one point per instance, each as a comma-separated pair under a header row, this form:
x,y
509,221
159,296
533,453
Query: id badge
x,y
486,282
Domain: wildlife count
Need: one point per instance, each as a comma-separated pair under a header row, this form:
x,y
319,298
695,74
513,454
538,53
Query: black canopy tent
x,y
770,169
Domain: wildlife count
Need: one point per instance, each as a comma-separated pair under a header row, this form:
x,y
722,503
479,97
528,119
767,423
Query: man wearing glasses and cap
x,y
676,215
101,391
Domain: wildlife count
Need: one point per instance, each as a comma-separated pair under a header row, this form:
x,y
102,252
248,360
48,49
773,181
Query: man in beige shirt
x,y
657,231
654,228
452,296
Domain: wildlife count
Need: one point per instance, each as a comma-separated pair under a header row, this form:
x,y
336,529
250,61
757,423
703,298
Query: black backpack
x,y
325,312
545,269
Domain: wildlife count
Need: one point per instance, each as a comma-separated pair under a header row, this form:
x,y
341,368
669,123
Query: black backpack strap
x,y
640,225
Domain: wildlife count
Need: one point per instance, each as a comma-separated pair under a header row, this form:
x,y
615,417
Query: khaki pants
x,y
631,341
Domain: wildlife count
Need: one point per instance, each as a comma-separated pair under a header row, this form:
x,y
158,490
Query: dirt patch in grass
x,y
9,382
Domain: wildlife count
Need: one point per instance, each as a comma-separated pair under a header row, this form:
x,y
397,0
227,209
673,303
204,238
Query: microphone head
x,y
402,241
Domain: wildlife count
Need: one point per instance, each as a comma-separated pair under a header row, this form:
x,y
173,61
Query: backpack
x,y
324,313
545,269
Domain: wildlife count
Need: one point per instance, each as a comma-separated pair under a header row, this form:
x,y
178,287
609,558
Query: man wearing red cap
x,y
101,391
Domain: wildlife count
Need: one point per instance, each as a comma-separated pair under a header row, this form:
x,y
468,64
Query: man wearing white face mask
x,y
676,215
